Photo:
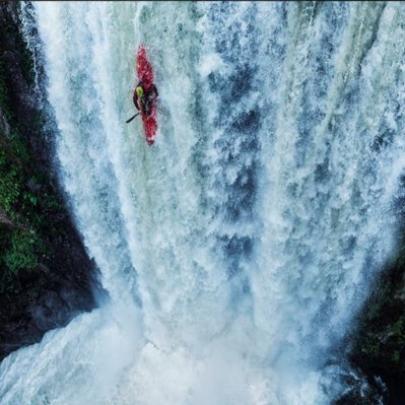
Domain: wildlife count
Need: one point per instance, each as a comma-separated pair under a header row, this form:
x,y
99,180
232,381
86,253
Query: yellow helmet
x,y
139,91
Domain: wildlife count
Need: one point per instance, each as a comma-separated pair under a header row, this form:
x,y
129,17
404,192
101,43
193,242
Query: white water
x,y
237,249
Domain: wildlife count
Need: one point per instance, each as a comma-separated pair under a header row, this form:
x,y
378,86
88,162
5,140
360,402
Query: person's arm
x,y
135,100
141,105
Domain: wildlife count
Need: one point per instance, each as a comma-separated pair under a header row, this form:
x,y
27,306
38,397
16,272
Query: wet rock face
x,y
49,279
4,126
378,341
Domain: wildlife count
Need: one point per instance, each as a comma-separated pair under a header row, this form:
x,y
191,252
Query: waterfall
x,y
237,250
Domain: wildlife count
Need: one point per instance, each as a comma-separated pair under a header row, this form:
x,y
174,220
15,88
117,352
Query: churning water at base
x,y
237,249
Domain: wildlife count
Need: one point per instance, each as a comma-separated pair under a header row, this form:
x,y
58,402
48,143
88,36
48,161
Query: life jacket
x,y
144,98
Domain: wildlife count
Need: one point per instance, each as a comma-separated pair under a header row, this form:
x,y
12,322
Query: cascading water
x,y
237,249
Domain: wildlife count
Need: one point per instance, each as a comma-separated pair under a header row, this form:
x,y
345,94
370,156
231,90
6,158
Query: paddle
x,y
128,121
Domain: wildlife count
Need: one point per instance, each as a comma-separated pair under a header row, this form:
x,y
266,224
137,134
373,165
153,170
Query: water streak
x,y
236,250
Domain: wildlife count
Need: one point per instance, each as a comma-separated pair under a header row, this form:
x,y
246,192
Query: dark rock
x,y
5,220
4,125
64,281
33,185
378,341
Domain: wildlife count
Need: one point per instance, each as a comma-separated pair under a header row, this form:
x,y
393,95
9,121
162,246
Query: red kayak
x,y
145,75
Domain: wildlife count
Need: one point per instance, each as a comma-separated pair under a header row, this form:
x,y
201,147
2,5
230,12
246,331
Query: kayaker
x,y
143,99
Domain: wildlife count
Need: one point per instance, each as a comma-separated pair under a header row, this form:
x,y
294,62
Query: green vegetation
x,y
22,252
20,219
41,255
30,213
23,221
